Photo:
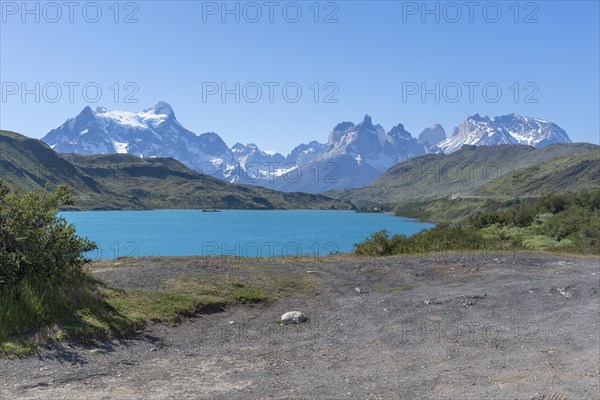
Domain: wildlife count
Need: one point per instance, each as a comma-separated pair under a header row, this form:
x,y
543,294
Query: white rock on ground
x,y
293,317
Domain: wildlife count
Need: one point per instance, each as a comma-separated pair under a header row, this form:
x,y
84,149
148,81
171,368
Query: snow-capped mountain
x,y
154,132
250,153
511,128
254,165
353,155
306,152
370,145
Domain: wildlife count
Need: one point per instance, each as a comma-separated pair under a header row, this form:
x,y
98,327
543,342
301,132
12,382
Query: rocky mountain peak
x,y
161,108
367,123
400,132
433,135
359,153
504,129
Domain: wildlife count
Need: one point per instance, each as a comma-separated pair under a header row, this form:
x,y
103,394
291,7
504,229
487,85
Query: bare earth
x,y
507,326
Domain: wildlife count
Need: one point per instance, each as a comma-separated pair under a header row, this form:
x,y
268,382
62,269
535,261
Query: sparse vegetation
x,y
185,296
44,291
457,210
567,222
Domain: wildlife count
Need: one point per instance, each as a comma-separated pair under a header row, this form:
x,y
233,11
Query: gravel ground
x,y
471,326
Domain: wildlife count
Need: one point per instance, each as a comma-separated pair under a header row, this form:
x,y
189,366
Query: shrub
x,y
441,238
553,203
43,288
377,245
568,222
34,242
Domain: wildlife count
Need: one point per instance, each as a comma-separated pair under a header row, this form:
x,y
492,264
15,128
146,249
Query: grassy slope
x,y
446,210
562,174
458,174
559,174
30,163
127,182
86,310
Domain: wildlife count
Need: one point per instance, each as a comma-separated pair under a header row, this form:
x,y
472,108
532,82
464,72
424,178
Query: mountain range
x,y
354,154
486,171
127,182
124,181
506,129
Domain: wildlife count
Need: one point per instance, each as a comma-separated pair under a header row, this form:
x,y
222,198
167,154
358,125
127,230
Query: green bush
x,y
44,291
34,242
377,245
566,222
441,238
553,203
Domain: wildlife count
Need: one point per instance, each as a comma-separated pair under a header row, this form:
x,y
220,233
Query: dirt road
x,y
446,327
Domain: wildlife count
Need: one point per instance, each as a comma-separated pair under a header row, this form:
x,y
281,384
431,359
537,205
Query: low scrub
x,y
44,291
35,311
441,238
46,294
34,242
565,222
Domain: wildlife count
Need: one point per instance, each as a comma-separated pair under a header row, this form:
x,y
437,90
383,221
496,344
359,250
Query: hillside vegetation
x,y
493,198
559,174
121,181
565,222
499,172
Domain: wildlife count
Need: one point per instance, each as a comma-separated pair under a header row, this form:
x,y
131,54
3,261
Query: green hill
x,y
560,174
462,173
30,163
120,181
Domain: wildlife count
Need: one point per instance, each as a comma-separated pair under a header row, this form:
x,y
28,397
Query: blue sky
x,y
375,59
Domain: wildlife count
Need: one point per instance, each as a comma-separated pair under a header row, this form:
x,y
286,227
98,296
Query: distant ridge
x,y
505,129
497,170
123,181
354,154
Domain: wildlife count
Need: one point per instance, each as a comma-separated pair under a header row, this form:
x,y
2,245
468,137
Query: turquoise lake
x,y
232,232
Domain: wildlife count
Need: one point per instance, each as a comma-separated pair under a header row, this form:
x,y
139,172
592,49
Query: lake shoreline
x,y
239,232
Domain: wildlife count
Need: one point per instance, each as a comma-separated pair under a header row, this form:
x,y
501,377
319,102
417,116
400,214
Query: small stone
x,y
565,292
293,317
